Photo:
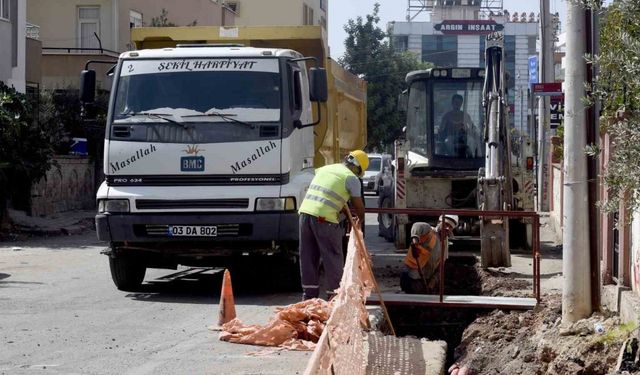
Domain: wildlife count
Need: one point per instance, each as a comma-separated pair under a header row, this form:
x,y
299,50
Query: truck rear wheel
x,y
385,221
127,272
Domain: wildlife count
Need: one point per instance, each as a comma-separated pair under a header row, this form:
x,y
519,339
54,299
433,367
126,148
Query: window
x,y
88,27
400,43
323,5
305,14
375,164
441,50
135,19
4,9
233,6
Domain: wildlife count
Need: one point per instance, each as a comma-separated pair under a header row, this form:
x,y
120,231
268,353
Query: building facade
x,y
280,12
455,36
13,42
74,31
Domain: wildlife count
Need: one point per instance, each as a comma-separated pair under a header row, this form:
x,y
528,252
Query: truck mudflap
x,y
210,228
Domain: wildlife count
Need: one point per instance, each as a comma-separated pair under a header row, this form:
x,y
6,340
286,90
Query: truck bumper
x,y
232,227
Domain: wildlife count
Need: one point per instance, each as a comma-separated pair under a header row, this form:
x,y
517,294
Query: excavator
x,y
458,151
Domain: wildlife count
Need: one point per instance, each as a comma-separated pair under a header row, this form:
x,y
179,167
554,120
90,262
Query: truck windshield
x,y
445,118
374,164
248,90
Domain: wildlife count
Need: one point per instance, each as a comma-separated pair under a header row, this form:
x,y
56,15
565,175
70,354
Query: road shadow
x,y
257,288
7,283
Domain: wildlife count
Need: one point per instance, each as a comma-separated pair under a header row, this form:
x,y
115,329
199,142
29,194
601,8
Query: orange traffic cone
x,y
227,311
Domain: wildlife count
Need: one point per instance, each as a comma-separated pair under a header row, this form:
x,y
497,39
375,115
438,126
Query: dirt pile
x,y
535,342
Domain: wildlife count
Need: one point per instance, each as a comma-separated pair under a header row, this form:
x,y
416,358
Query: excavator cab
x,y
445,120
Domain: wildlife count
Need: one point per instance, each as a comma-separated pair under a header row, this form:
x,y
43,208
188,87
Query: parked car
x,y
378,174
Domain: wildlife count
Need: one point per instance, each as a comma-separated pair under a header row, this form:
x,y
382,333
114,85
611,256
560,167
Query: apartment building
x,y
13,42
280,12
74,31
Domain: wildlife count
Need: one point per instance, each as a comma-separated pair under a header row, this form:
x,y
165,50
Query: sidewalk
x,y
72,222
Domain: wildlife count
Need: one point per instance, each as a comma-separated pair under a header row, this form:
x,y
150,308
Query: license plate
x,y
193,231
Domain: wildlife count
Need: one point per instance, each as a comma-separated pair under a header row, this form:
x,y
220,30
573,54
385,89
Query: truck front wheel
x,y
127,272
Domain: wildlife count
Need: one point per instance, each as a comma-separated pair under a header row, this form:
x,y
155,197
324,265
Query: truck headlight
x,y
276,204
113,205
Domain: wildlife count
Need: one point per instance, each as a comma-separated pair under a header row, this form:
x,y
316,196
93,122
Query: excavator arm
x,y
495,190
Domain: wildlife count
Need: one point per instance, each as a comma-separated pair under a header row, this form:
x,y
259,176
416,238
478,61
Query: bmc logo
x,y
192,164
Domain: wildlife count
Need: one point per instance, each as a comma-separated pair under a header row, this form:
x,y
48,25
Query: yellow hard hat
x,y
360,159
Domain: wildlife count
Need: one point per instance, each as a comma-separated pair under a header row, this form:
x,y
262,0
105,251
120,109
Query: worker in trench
x,y
321,234
421,271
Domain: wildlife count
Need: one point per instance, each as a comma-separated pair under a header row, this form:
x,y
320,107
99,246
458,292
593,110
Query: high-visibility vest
x,y
426,246
327,194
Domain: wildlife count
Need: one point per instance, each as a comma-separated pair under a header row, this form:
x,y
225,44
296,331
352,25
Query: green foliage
x,y
26,146
370,55
617,86
618,333
163,20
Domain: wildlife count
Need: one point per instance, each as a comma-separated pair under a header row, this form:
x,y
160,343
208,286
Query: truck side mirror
x,y
403,101
87,86
318,90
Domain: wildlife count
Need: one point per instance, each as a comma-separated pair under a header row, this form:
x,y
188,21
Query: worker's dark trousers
x,y
319,240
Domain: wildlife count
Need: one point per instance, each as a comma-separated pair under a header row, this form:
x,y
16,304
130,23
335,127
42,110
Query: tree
x,y
163,20
617,86
27,145
370,55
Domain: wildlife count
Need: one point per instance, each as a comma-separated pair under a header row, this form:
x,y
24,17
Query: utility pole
x,y
576,293
547,75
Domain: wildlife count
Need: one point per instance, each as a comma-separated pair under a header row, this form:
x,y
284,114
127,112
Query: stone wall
x,y
68,185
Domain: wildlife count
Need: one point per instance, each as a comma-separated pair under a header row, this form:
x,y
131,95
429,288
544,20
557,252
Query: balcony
x,y
33,31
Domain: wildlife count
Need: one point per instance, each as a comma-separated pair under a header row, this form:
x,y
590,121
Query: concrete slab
x,y
455,301
404,355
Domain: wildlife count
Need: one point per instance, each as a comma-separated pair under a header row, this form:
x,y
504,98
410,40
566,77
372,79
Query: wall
x,y
182,13
277,12
18,16
61,71
635,253
69,186
33,61
5,58
58,21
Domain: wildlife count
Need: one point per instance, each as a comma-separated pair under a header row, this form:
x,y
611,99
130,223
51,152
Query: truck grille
x,y
224,230
157,204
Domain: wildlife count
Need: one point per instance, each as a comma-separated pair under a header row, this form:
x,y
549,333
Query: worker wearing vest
x,y
422,262
320,230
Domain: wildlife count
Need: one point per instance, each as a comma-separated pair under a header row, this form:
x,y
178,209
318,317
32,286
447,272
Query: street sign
x,y
547,89
533,70
556,112
468,27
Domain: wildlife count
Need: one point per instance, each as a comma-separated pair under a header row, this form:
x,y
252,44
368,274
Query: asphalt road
x,y
61,314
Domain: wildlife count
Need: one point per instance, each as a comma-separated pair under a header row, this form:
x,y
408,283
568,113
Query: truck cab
x,y
209,151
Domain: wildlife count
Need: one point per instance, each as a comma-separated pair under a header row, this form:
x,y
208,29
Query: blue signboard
x,y
533,70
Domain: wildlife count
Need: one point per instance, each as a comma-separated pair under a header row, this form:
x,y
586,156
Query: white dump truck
x,y
210,147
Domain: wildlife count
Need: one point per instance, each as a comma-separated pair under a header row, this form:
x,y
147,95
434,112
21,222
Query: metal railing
x,y
33,31
82,49
533,216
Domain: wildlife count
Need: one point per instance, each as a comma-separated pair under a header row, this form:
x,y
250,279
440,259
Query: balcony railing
x,y
80,51
33,31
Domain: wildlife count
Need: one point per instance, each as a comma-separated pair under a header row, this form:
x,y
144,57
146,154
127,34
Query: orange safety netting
x,y
338,327
296,327
341,348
